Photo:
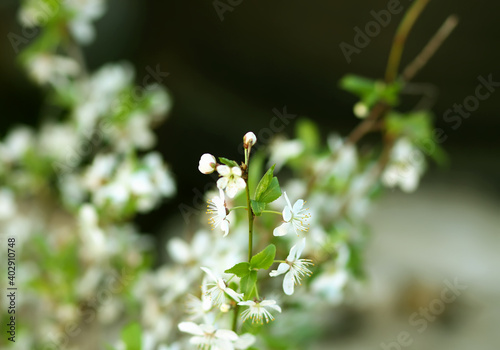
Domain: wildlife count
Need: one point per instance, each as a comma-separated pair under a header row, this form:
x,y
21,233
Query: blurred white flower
x,y
100,171
284,150
231,180
207,337
47,68
294,267
217,208
57,140
84,13
257,310
207,164
218,289
8,205
406,166
17,142
294,216
244,341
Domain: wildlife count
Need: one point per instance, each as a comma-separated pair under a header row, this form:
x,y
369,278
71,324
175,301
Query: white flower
x,y
207,337
55,69
84,12
406,166
244,341
16,144
231,180
249,139
7,203
294,217
217,208
284,150
207,164
257,310
219,289
294,267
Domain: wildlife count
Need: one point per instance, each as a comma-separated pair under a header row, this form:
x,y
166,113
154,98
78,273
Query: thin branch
x,y
430,49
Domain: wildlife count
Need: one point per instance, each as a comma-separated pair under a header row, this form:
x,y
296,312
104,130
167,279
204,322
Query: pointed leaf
x,y
272,192
241,270
247,285
257,207
228,162
264,259
264,183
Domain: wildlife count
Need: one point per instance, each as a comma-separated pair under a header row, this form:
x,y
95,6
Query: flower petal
x,y
287,214
226,334
300,248
298,206
209,273
191,328
222,182
224,227
288,284
282,229
287,200
282,268
223,170
233,294
236,170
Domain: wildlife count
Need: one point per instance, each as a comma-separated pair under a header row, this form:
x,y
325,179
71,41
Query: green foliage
x,y
228,162
257,207
241,270
264,259
247,284
371,91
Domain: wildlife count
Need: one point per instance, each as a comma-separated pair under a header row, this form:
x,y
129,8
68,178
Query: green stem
x,y
239,207
272,212
400,38
250,224
235,318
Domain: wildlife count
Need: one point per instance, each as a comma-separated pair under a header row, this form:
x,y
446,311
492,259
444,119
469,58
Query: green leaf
x,y
272,192
241,270
416,125
308,133
268,189
264,259
228,162
257,207
131,336
264,182
357,85
247,284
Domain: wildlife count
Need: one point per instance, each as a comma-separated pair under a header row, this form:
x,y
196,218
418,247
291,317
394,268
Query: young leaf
x,y
264,259
264,182
268,189
257,207
247,284
241,270
228,162
272,192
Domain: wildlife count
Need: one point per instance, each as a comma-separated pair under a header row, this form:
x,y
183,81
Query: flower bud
x,y
249,139
361,110
207,164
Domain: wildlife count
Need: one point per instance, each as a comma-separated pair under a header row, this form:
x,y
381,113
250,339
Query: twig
x,y
430,49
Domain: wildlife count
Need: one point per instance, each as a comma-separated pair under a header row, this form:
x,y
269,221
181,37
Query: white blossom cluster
x,y
70,188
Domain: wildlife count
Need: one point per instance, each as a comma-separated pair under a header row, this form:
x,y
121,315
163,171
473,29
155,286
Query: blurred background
x,y
226,77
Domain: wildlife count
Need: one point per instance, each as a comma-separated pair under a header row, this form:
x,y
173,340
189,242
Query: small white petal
x,y
209,273
191,328
223,170
300,248
222,182
287,214
224,227
282,229
297,206
288,284
226,334
282,268
233,294
236,171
